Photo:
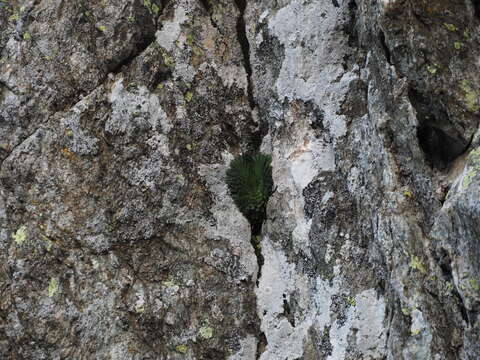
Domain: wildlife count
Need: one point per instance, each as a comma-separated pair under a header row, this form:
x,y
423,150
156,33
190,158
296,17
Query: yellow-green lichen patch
x,y
432,69
20,235
52,287
457,45
188,96
27,36
474,168
168,59
13,17
406,311
474,156
182,349
132,86
474,284
155,9
471,96
415,332
205,332
467,179
152,8
450,27
351,301
448,286
48,242
169,283
189,40
416,264
102,28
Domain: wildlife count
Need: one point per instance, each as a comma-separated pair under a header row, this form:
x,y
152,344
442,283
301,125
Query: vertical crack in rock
x,y
444,261
245,45
287,312
255,241
256,137
261,345
206,5
250,183
476,6
352,32
254,144
386,50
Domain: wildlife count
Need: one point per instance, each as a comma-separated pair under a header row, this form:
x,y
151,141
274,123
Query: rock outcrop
x,y
118,120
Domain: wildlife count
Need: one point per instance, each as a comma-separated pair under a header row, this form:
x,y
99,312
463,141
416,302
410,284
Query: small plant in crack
x,y
249,181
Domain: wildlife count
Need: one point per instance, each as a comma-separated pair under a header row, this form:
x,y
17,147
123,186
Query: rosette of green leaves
x,y
249,181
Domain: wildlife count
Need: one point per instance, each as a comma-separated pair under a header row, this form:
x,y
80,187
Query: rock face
x,y
118,239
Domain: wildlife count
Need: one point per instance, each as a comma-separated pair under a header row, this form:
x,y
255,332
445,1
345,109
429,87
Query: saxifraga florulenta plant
x,y
249,180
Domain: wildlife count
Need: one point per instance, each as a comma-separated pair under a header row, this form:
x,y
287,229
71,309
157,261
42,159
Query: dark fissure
x,y
476,6
386,50
245,45
253,147
250,184
206,5
141,47
439,140
255,240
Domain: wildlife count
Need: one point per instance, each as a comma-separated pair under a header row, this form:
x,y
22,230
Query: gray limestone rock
x,y
118,238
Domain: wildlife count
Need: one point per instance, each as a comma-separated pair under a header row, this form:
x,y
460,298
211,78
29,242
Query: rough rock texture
x,y
118,239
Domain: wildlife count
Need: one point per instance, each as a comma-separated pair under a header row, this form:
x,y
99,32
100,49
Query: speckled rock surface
x,y
118,120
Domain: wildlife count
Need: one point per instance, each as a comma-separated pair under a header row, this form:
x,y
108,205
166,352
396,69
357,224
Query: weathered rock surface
x,y
118,239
